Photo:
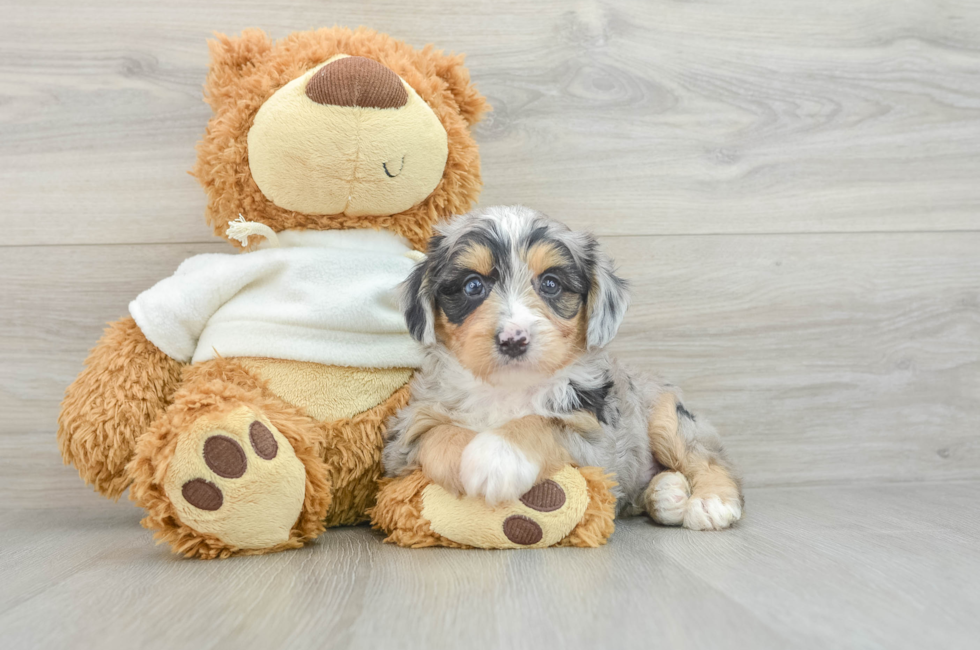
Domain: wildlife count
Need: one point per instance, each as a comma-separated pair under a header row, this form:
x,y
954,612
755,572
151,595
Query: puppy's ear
x,y
417,298
608,300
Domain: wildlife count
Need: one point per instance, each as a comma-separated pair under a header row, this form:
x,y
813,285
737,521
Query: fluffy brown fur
x,y
126,384
247,70
213,387
352,451
398,512
342,458
598,523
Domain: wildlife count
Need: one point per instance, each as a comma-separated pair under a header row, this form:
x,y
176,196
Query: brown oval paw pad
x,y
224,456
202,494
521,530
544,497
263,442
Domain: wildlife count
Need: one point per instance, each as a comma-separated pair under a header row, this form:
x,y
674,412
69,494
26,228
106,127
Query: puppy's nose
x,y
356,81
512,343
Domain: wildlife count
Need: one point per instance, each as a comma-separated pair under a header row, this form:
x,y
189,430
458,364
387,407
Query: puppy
x,y
514,310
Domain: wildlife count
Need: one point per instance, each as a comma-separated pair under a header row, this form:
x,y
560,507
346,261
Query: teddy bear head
x,y
337,129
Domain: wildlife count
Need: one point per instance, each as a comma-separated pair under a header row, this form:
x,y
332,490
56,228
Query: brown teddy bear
x,y
243,401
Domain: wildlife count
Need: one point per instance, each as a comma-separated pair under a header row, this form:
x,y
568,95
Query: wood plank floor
x,y
792,189
880,566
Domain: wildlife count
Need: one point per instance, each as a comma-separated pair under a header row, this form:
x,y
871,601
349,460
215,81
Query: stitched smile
x,y
401,166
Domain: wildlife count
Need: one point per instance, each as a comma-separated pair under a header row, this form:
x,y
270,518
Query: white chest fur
x,y
483,405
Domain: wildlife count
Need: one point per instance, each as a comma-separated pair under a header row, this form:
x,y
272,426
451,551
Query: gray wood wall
x,y
793,188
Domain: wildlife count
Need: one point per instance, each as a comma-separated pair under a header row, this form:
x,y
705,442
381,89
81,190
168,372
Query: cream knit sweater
x,y
324,296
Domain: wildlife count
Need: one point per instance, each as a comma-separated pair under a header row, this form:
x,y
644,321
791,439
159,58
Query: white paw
x,y
666,498
711,513
493,468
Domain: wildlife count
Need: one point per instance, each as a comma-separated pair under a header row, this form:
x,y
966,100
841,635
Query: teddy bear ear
x,y
450,68
231,58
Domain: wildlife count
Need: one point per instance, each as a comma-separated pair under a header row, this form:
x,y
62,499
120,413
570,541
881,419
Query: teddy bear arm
x,y
127,382
575,507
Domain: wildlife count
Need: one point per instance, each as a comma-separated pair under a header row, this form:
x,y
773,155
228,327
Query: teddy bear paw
x,y
541,517
239,480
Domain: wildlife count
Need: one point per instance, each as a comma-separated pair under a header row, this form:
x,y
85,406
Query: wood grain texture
x,y
822,358
625,117
790,186
815,567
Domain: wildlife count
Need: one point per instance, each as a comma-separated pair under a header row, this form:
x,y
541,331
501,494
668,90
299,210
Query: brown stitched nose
x,y
357,81
513,346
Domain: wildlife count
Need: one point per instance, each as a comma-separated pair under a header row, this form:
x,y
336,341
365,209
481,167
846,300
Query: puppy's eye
x,y
474,286
549,286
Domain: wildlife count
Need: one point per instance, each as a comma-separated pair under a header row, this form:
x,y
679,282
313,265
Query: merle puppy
x,y
514,310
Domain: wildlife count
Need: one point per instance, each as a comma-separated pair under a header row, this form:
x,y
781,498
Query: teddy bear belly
x,y
327,393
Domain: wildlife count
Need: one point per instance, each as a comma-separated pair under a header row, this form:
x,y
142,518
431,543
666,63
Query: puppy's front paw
x,y
711,513
495,469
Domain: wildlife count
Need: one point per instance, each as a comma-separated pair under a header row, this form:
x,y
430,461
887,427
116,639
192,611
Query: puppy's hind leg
x,y
666,498
699,491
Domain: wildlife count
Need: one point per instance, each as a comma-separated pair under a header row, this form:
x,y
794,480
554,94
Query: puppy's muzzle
x,y
512,343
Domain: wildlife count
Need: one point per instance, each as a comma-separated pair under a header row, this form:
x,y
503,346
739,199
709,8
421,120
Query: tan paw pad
x,y
237,478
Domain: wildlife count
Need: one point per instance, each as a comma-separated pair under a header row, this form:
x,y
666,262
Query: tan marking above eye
x,y
544,256
478,258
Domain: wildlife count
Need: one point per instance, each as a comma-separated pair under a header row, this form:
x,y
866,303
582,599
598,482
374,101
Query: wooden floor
x,y
811,567
792,187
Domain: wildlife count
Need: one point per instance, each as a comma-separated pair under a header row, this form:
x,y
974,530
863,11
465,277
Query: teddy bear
x,y
243,401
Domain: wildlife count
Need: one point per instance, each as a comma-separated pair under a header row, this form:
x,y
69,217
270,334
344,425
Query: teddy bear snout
x,y
357,81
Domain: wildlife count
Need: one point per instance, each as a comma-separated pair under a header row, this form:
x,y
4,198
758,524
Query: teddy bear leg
x,y
575,507
126,384
597,524
230,469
